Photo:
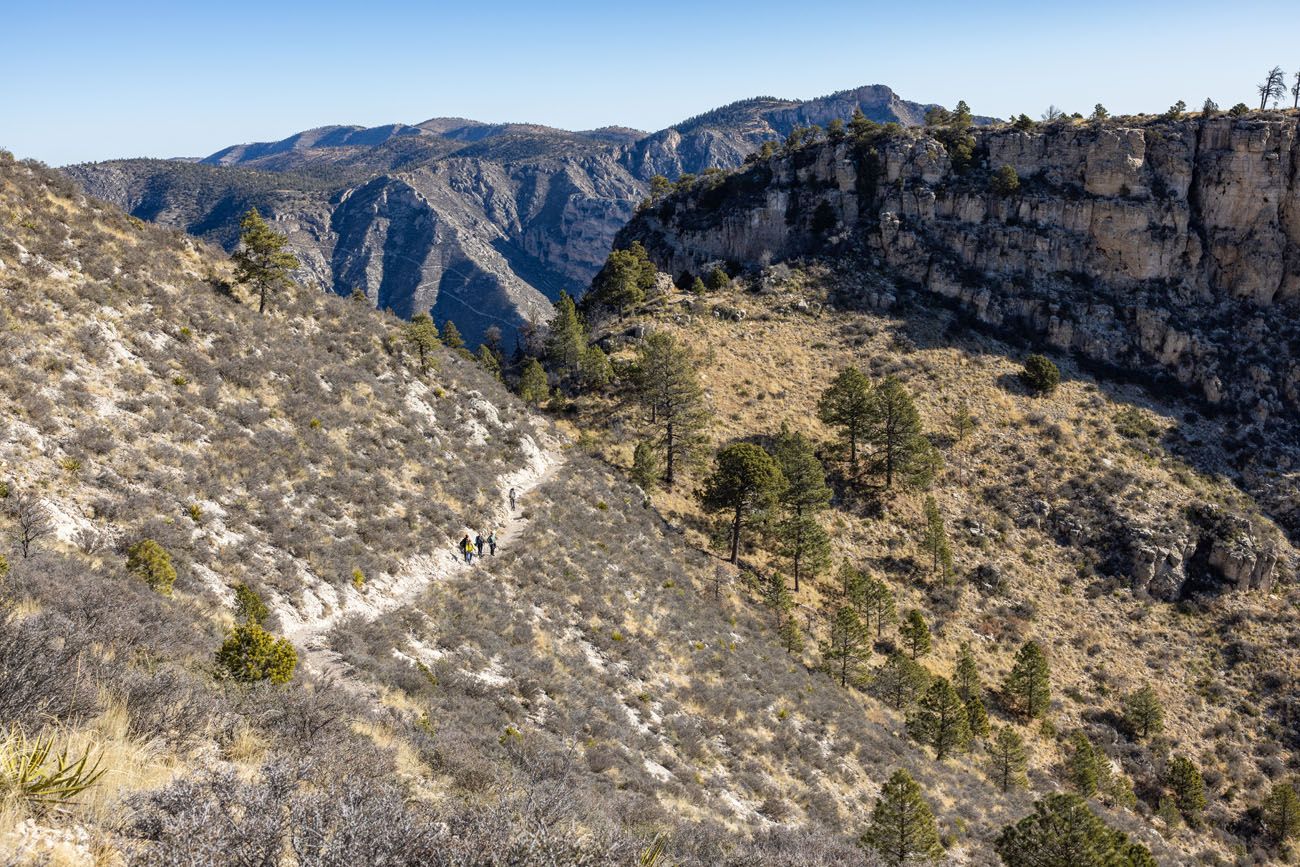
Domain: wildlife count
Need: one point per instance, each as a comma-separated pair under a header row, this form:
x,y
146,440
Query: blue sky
x,y
86,81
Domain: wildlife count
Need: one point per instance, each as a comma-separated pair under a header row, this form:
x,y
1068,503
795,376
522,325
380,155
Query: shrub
x,y
1006,182
251,654
1239,110
1040,374
249,607
150,562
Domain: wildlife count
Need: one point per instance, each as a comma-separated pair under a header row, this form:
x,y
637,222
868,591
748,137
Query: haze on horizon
x,y
87,81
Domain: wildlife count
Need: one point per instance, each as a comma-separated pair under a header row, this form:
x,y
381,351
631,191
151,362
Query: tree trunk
x,y
735,535
261,305
668,474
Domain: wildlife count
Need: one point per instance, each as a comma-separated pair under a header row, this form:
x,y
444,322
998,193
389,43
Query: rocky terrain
x,y
483,224
1160,249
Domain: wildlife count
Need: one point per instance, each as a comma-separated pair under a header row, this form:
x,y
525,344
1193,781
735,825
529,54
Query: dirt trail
x,y
323,606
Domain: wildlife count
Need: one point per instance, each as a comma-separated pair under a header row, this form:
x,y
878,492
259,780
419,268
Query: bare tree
x,y
1295,92
1274,87
1052,113
33,521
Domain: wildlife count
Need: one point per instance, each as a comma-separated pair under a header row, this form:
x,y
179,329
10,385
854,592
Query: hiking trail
x,y
323,606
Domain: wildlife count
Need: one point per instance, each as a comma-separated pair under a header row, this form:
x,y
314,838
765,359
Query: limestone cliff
x,y
1167,249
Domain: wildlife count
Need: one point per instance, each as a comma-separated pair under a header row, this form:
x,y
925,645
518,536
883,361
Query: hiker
x,y
492,542
479,542
467,548
513,494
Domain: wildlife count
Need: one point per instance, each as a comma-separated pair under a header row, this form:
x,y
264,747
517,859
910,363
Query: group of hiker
x,y
468,547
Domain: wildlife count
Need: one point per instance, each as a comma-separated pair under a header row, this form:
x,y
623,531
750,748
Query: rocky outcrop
x,y
480,223
1168,250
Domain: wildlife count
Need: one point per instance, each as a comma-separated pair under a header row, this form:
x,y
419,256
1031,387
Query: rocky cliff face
x,y
1167,250
483,224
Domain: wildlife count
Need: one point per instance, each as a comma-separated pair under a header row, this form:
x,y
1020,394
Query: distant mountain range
x,y
479,223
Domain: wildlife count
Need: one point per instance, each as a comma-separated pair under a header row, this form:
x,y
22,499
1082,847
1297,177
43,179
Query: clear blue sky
x,y
97,80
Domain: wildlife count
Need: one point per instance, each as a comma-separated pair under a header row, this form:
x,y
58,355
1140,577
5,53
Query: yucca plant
x,y
31,771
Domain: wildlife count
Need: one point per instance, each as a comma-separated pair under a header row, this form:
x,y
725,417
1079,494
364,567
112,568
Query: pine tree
x,y
1029,683
845,654
566,339
422,334
778,597
1282,813
1143,713
846,404
892,427
877,602
903,830
900,681
789,633
915,634
595,370
664,382
939,720
451,336
1063,832
745,483
646,466
1188,787
860,126
489,361
261,259
802,537
1084,765
963,423
623,282
1008,759
966,677
533,384
934,540
978,715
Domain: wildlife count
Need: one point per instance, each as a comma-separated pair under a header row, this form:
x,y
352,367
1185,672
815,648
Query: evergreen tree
x,y
534,387
961,116
451,336
745,482
963,423
596,372
877,601
1040,374
249,607
566,339
966,677
939,720
903,830
1008,759
861,127
802,537
1063,832
1143,713
1029,684
664,382
789,633
718,280
900,681
489,361
646,466
1282,813
624,280
893,428
846,404
835,131
261,260
845,654
915,634
1084,765
934,540
1188,787
978,716
853,584
422,334
697,287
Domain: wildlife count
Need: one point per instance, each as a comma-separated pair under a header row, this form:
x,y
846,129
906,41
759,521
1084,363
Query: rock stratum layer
x,y
483,224
1167,250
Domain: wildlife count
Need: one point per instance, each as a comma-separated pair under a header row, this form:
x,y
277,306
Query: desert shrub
x,y
40,675
1040,374
150,562
1006,182
249,607
250,654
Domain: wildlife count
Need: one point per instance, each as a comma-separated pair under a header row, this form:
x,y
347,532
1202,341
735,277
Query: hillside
x,y
597,686
1056,507
480,223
